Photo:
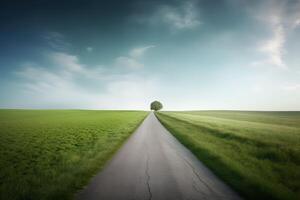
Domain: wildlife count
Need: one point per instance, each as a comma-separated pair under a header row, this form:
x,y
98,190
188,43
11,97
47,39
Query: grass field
x,y
257,153
50,154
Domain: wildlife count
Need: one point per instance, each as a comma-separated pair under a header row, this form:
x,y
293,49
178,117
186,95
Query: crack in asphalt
x,y
194,171
197,175
148,177
154,165
197,189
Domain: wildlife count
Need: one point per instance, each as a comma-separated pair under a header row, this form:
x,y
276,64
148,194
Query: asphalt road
x,y
154,165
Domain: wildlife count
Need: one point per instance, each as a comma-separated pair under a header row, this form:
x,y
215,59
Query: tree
x,y
156,105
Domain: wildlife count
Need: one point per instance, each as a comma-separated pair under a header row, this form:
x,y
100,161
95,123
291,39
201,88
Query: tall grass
x,y
52,154
257,153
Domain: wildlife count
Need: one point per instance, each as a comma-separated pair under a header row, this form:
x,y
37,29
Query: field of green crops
x,y
50,154
257,153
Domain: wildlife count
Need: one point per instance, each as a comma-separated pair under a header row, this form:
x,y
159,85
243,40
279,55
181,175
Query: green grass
x,y
257,153
51,154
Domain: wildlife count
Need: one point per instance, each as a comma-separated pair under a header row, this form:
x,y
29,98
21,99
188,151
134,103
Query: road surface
x,y
153,165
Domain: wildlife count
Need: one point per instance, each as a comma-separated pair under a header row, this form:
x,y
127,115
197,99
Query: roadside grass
x,y
51,154
257,153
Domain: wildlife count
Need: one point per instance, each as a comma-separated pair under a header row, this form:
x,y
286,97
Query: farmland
x,y
257,153
51,154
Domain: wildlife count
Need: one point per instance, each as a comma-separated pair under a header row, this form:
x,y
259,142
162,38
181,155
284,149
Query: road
x,y
153,165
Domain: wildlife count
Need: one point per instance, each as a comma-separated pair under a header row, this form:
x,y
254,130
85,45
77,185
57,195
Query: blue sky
x,y
190,55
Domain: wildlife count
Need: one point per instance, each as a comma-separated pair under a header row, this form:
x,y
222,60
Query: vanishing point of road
x,y
153,165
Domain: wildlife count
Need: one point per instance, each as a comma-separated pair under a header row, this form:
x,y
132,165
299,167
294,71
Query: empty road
x,y
153,165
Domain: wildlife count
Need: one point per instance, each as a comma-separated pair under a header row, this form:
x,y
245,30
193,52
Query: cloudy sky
x,y
189,54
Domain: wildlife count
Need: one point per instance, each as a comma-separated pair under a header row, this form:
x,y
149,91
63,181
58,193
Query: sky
x,y
116,54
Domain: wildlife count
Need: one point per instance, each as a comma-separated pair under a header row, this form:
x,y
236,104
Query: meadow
x,y
257,153
51,154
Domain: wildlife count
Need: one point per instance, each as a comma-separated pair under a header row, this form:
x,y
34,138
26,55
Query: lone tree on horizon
x,y
156,105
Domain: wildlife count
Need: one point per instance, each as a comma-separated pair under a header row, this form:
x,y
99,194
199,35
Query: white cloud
x,y
274,47
183,17
56,83
295,87
45,87
66,83
128,62
257,89
67,61
296,23
132,61
69,65
178,17
129,91
281,18
90,49
56,40
138,52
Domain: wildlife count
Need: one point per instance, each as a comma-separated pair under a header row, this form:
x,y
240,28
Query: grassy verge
x,y
257,153
51,154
